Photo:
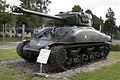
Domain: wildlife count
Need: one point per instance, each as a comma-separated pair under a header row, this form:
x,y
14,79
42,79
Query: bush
x,y
115,47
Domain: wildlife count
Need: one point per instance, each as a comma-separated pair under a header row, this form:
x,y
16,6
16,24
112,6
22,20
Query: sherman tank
x,y
72,40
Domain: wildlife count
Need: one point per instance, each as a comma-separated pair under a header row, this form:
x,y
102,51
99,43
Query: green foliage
x,y
6,18
96,21
115,46
76,8
109,25
32,21
117,35
3,5
89,11
37,5
110,14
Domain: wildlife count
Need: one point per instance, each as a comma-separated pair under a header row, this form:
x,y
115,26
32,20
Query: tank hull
x,y
70,46
66,56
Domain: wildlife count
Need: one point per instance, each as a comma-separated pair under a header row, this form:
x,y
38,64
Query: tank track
x,y
65,57
26,55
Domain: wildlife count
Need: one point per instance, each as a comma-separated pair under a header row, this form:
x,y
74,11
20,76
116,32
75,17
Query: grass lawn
x,y
11,74
114,43
114,55
8,55
106,73
16,74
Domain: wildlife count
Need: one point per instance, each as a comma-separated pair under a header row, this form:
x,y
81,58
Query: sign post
x,y
42,59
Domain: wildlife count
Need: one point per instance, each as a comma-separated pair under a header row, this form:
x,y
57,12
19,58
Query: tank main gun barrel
x,y
21,10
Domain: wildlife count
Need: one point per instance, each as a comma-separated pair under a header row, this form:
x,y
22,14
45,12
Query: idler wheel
x,y
19,49
26,55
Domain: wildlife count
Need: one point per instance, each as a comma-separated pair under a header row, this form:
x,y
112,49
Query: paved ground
x,y
9,45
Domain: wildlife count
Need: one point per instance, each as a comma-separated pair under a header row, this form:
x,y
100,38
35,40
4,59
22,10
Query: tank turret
x,y
68,18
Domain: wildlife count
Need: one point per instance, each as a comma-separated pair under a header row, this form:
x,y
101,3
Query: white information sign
x,y
43,56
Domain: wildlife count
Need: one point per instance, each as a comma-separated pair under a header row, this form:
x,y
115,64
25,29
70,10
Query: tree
x,y
89,11
117,32
32,21
96,21
77,8
37,5
3,14
109,25
3,5
6,18
110,14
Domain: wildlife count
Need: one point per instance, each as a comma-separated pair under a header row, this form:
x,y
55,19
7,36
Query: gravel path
x,y
30,68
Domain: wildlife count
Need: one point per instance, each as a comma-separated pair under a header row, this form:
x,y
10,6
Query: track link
x,y
65,57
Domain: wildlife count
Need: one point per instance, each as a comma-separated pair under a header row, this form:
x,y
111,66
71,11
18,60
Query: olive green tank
x,y
72,40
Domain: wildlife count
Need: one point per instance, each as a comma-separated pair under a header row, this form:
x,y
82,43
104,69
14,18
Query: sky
x,y
98,7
